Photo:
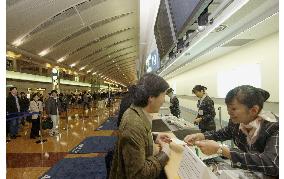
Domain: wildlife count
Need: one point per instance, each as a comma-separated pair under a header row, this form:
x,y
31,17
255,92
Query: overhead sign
x,y
153,62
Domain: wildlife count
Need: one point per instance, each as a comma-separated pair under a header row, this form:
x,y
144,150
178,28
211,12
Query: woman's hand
x,y
208,147
191,139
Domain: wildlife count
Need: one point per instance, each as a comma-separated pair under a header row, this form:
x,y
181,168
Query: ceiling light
x,y
18,42
82,68
44,52
61,59
72,65
89,71
13,55
47,65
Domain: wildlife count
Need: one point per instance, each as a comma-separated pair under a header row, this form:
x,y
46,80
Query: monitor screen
x,y
185,12
153,62
162,30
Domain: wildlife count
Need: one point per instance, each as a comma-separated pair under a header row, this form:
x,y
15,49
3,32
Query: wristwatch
x,y
220,149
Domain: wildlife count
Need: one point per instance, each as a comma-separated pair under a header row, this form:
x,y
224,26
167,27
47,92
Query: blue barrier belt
x,y
17,117
16,113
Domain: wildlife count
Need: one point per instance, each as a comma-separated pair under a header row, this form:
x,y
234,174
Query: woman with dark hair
x,y
174,107
206,110
126,101
35,106
254,131
134,156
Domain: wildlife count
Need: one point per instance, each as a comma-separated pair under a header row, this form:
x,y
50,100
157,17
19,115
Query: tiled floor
x,y
28,160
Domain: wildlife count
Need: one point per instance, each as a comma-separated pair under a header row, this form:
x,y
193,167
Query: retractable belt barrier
x,y
19,115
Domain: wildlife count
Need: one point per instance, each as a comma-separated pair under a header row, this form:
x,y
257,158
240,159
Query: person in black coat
x,y
24,105
174,107
206,110
12,108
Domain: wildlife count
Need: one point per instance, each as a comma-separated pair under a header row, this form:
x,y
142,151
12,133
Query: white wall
x,y
264,52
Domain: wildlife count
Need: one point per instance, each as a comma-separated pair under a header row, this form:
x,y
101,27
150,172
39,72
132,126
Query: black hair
x,y
13,88
33,95
198,88
22,92
247,95
126,102
169,91
149,85
131,89
53,91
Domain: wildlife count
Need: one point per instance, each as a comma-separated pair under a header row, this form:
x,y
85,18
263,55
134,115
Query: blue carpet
x,y
95,144
110,124
78,168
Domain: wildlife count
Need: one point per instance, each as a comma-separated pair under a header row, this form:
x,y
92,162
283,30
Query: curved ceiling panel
x,y
97,35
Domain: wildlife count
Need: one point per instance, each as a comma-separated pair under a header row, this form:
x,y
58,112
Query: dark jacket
x,y
11,106
174,108
261,156
52,105
207,112
133,156
24,104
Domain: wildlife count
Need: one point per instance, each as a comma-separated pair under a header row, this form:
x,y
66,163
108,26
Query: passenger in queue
x,y
35,106
174,106
206,110
135,155
254,131
53,107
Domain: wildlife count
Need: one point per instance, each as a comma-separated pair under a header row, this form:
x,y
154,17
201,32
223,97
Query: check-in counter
x,y
176,156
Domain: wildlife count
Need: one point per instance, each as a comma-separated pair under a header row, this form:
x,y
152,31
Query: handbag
x,y
47,124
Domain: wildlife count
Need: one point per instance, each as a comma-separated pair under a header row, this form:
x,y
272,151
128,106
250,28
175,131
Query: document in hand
x,y
191,166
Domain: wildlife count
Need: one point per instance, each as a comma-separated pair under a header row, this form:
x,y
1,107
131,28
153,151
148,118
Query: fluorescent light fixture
x,y
61,59
44,52
72,65
18,42
89,71
82,68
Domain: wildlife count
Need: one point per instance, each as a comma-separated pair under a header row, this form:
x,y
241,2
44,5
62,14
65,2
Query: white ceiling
x,y
100,35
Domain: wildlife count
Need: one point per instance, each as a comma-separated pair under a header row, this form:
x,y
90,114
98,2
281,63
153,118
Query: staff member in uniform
x,y
174,107
206,110
254,131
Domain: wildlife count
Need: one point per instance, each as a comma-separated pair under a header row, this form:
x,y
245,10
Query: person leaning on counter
x,y
135,155
254,131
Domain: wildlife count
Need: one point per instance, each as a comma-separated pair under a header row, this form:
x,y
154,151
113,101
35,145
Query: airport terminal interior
x,y
128,89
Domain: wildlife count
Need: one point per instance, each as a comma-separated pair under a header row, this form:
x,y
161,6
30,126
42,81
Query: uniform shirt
x,y
261,156
174,106
206,111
